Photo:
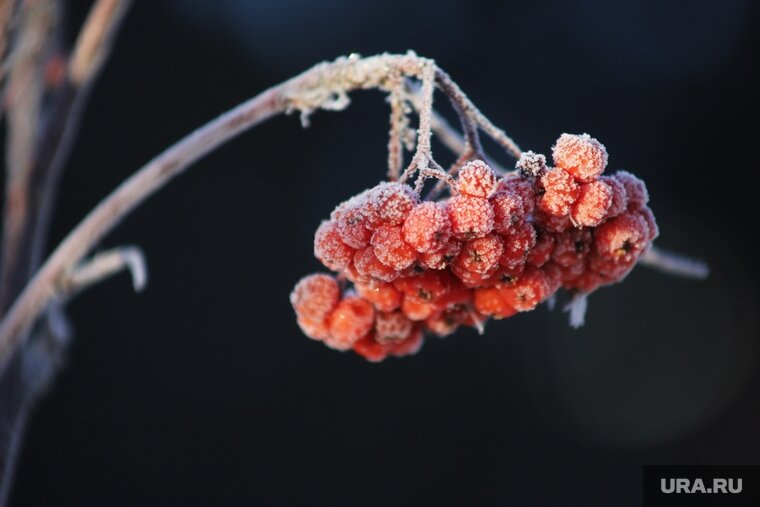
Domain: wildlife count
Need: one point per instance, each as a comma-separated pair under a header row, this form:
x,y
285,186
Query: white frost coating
x,y
106,264
576,309
674,264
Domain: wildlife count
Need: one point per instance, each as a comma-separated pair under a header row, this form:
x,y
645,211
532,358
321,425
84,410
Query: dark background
x,y
202,390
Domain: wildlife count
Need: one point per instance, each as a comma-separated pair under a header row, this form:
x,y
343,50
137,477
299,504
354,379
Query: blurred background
x,y
203,391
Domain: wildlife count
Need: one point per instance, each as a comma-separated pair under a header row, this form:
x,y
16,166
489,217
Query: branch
x,y
105,265
324,86
674,263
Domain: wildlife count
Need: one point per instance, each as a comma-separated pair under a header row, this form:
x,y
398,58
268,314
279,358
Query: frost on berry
x,y
440,259
481,255
542,251
518,245
533,287
477,179
427,228
369,267
648,216
592,205
560,192
531,165
508,210
415,309
580,155
619,196
315,329
635,189
393,201
571,246
330,249
351,319
426,287
352,226
391,249
522,187
314,296
471,217
392,327
382,295
550,223
622,238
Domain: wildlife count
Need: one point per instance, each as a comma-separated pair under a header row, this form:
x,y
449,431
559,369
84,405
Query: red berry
x,y
580,155
329,248
391,249
410,346
352,227
440,259
587,282
481,255
425,287
427,228
382,295
561,191
472,279
315,329
542,251
477,179
417,310
523,188
648,216
392,327
533,287
490,301
314,296
508,211
393,201
369,267
370,350
551,223
635,189
571,246
471,217
506,276
592,205
619,196
518,245
351,319
622,238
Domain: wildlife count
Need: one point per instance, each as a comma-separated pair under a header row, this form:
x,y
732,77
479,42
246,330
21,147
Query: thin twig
x,y
104,265
674,263
8,21
398,125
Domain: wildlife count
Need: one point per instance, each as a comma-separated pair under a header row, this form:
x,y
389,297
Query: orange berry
x,y
592,205
560,192
314,296
481,255
382,295
580,155
351,319
471,217
392,327
391,249
369,267
477,179
330,249
427,228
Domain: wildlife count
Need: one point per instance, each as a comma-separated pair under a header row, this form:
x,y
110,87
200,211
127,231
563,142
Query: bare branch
x,y
104,265
674,263
398,125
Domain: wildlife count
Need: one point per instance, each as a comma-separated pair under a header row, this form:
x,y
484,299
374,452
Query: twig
x,y
104,265
674,263
398,125
8,21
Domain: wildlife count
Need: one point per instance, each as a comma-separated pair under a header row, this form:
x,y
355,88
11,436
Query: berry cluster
x,y
495,247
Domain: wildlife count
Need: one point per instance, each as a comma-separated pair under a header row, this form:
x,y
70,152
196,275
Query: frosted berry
x,y
654,230
560,192
352,226
477,179
440,259
415,309
621,238
571,246
481,255
531,165
635,189
382,295
391,249
580,155
393,202
542,251
316,329
351,319
533,287
330,249
392,327
428,286
508,211
471,217
490,301
593,203
619,196
522,187
314,296
427,228
518,245
369,267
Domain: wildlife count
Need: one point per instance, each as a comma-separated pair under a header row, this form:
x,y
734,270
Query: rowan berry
x,y
481,255
415,309
506,276
551,223
314,296
560,192
523,188
533,287
477,179
330,249
490,301
409,346
427,228
531,165
587,282
652,227
471,217
580,155
352,226
508,211
471,279
619,197
315,329
351,319
428,286
369,267
393,201
444,323
622,238
391,249
571,246
440,259
593,203
370,350
614,269
542,250
635,189
392,327
570,272
382,295
518,245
